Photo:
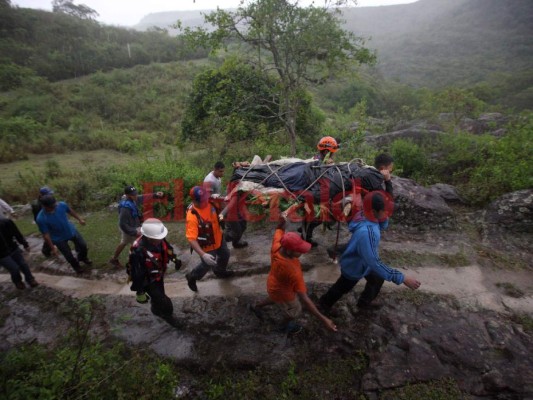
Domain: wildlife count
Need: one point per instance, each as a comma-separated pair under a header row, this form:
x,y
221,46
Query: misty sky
x,y
130,12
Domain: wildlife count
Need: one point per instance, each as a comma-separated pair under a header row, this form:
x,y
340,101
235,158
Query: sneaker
x,y
257,312
191,282
115,262
20,285
33,283
240,245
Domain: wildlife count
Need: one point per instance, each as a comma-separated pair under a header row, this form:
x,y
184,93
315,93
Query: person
x,y
5,209
36,207
235,224
327,146
384,163
148,260
203,231
361,260
58,231
11,256
129,220
285,283
213,180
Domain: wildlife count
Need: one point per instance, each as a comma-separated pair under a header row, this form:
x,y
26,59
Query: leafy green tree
x,y
238,102
299,46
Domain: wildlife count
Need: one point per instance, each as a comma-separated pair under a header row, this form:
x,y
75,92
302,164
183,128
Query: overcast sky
x,y
130,12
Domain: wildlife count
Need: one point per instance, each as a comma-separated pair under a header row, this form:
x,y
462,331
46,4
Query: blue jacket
x,y
361,256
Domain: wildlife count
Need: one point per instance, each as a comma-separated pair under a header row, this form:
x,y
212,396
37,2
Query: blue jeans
x,y
222,255
16,264
81,250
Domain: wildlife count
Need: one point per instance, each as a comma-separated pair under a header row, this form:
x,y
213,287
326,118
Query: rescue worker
x,y
148,261
326,146
204,234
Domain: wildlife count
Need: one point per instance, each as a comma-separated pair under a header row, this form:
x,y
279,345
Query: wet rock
x,y
447,192
420,207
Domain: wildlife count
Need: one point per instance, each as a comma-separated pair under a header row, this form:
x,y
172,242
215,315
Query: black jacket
x,y
8,233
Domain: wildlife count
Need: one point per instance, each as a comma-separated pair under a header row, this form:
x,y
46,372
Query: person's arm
x,y
17,235
306,301
48,240
369,254
75,215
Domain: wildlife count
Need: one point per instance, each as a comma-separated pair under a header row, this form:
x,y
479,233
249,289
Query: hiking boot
x,y
191,282
257,312
33,283
115,262
86,261
20,285
240,245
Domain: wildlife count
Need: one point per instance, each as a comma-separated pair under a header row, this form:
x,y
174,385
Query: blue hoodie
x,y
361,256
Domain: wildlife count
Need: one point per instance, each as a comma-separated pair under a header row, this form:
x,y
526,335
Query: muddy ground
x,y
469,322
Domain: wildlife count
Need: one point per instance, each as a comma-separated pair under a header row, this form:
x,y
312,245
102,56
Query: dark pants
x,y
161,305
234,231
81,250
344,285
308,227
222,255
16,264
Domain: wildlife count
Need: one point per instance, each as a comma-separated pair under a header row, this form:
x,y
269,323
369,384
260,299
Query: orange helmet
x,y
327,143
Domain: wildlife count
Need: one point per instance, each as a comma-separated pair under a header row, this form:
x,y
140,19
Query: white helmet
x,y
154,229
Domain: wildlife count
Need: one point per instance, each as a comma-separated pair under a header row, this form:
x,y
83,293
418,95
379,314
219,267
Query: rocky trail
x,y
465,323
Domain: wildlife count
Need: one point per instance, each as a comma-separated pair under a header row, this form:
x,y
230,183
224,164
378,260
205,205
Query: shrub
x,y
409,159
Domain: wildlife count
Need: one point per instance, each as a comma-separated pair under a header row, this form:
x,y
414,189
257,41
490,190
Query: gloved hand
x,y
209,259
142,298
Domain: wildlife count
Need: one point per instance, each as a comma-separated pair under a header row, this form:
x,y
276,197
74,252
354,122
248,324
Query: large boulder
x,y
415,134
492,123
507,222
420,207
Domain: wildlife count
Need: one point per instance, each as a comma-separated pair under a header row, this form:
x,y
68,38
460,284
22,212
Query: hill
x,y
432,43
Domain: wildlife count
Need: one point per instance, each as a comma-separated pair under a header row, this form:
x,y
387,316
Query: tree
x,y
68,7
299,46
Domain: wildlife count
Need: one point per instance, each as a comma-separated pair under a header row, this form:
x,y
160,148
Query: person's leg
x,y
238,231
13,269
222,254
335,292
161,305
64,248
81,248
125,240
307,231
372,288
290,311
23,266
